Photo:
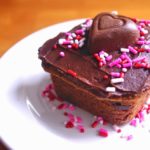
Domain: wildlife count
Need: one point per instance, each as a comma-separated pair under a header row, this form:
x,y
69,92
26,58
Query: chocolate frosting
x,y
86,67
111,32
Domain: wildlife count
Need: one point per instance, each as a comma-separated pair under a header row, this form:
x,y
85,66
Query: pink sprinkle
x,y
108,58
78,119
115,62
147,42
81,128
118,66
103,132
132,50
129,137
79,31
115,74
127,58
138,59
133,123
123,56
62,54
140,115
140,42
71,107
127,65
66,42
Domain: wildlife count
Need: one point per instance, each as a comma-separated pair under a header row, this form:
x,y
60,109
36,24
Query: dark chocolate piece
x,y
111,32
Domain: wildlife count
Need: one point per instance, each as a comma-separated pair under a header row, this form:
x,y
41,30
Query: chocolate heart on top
x,y
111,32
109,22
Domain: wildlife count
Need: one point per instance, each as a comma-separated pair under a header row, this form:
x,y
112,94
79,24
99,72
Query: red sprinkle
x,y
62,106
121,75
94,124
75,46
51,96
103,132
82,130
105,76
71,72
134,19
65,113
69,124
142,33
97,57
55,46
78,37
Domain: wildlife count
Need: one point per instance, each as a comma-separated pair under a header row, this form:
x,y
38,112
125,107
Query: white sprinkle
x,y
110,89
106,54
124,50
76,41
71,42
62,54
81,44
70,37
82,40
117,80
60,41
83,25
83,33
114,12
145,46
69,46
144,31
148,101
124,69
84,29
73,35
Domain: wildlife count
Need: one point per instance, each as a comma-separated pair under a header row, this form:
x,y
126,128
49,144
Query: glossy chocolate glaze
x,y
89,74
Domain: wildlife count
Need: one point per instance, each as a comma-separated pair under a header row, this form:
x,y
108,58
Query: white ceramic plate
x,y
27,121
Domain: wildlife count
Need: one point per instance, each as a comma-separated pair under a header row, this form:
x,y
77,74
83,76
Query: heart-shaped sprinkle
x,y
111,32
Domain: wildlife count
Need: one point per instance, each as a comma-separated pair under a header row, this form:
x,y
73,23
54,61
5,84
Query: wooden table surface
x,y
19,18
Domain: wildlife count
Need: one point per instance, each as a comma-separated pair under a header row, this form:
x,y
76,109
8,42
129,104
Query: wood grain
x,y
18,18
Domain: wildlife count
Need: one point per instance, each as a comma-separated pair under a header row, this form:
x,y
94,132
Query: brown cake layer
x,y
114,111
78,78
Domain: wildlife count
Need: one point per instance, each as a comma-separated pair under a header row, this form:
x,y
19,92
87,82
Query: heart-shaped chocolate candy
x,y
111,32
